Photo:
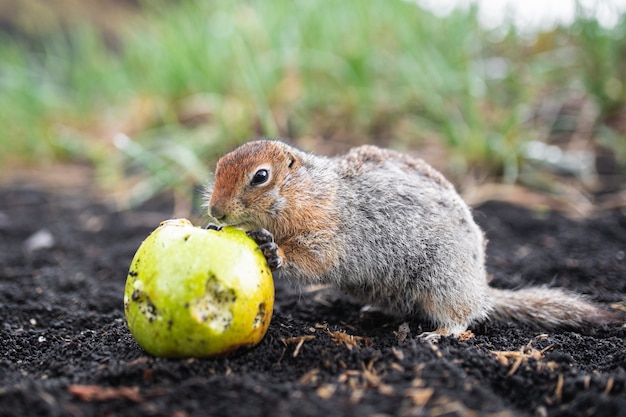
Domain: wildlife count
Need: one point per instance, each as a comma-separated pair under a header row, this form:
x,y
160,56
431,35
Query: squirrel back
x,y
382,226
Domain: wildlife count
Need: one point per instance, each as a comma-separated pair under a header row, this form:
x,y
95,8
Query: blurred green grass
x,y
181,83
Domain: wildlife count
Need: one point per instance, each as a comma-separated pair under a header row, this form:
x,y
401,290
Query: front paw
x,y
261,236
270,249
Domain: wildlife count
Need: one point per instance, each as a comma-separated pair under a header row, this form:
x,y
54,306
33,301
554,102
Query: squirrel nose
x,y
217,212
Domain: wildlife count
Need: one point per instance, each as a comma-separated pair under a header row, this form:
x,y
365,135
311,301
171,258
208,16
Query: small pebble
x,y
41,239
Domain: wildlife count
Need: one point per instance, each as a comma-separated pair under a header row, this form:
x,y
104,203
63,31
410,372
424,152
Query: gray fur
x,y
408,244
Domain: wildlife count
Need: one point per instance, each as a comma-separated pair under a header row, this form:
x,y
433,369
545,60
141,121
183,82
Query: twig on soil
x,y
419,396
519,356
299,340
98,393
325,391
609,385
558,391
397,353
350,341
367,378
310,377
618,307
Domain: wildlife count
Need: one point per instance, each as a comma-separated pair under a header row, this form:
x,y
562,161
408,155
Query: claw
x,y
270,249
431,337
213,226
261,236
434,336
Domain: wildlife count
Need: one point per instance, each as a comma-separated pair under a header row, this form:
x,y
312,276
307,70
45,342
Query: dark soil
x,y
66,349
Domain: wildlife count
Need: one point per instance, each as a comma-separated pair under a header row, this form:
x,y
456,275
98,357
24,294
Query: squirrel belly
x,y
384,227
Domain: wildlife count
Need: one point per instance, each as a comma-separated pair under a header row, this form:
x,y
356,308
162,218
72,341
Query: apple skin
x,y
193,292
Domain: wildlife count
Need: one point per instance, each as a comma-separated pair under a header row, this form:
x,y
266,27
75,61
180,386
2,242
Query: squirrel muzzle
x,y
217,212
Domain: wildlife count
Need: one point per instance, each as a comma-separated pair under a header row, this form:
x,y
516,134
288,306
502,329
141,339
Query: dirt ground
x,y
66,350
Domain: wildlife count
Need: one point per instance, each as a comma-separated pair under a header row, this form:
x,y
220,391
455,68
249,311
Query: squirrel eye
x,y
260,177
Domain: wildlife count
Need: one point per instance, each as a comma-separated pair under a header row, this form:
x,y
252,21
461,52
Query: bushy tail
x,y
548,308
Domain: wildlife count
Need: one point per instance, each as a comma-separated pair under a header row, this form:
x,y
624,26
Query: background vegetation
x,y
153,95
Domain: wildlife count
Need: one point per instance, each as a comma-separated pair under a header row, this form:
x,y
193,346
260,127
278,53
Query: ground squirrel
x,y
386,228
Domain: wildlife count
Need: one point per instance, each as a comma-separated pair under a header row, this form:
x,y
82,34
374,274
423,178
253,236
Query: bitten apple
x,y
193,292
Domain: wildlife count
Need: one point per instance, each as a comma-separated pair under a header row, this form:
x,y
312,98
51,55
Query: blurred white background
x,y
532,15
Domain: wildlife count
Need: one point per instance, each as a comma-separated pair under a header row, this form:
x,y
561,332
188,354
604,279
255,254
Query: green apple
x,y
193,292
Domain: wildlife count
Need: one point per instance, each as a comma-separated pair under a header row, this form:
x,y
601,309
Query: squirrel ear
x,y
292,160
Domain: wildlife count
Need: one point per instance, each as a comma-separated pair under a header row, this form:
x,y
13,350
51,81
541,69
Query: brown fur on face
x,y
284,205
236,199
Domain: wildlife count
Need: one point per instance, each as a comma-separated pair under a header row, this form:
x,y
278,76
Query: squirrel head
x,y
252,184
